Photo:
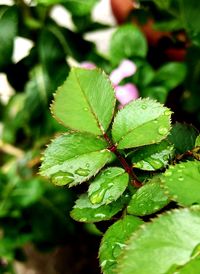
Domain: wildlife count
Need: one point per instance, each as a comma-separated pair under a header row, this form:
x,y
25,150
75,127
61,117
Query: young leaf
x,y
74,158
127,41
182,182
108,186
168,240
148,199
114,240
85,102
85,211
183,137
152,157
142,122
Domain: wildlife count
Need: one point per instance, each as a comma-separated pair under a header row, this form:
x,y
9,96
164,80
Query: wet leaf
x,y
78,107
74,158
182,182
85,211
132,123
114,241
168,240
152,157
108,186
149,199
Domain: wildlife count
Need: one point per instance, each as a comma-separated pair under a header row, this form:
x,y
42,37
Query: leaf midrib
x,y
87,101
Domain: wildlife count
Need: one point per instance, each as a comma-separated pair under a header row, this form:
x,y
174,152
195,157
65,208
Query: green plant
x,y
134,169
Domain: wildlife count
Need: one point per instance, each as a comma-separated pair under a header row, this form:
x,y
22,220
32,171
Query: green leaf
x,y
197,141
51,54
162,4
27,193
114,241
158,93
135,120
168,240
149,199
152,157
170,75
182,182
127,42
80,7
8,31
85,211
183,137
108,186
192,267
74,158
85,102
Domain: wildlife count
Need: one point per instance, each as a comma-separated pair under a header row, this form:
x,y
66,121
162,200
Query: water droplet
x,y
155,121
117,249
162,130
97,197
181,178
144,106
83,220
62,178
180,171
168,173
103,263
87,165
156,164
181,166
100,215
86,109
167,112
82,172
110,184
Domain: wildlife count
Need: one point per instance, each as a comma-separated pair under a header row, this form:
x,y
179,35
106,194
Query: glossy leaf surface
x,y
74,158
134,121
183,182
85,102
114,241
152,157
169,240
85,211
149,199
108,186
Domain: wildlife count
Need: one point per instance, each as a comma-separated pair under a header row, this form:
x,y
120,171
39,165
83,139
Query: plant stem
x,y
126,166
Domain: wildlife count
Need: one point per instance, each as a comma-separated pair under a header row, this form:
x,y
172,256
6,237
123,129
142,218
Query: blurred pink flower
x,y
125,69
126,93
88,65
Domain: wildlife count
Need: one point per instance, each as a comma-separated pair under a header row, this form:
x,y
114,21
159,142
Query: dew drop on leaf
x,y
82,172
117,249
167,112
100,215
97,197
162,130
180,178
144,106
168,173
62,178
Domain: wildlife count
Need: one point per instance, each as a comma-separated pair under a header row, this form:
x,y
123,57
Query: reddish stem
x,y
127,168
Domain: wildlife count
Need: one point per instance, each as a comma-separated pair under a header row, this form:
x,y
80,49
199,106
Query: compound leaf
x,y
74,158
140,123
169,240
85,102
108,186
114,240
